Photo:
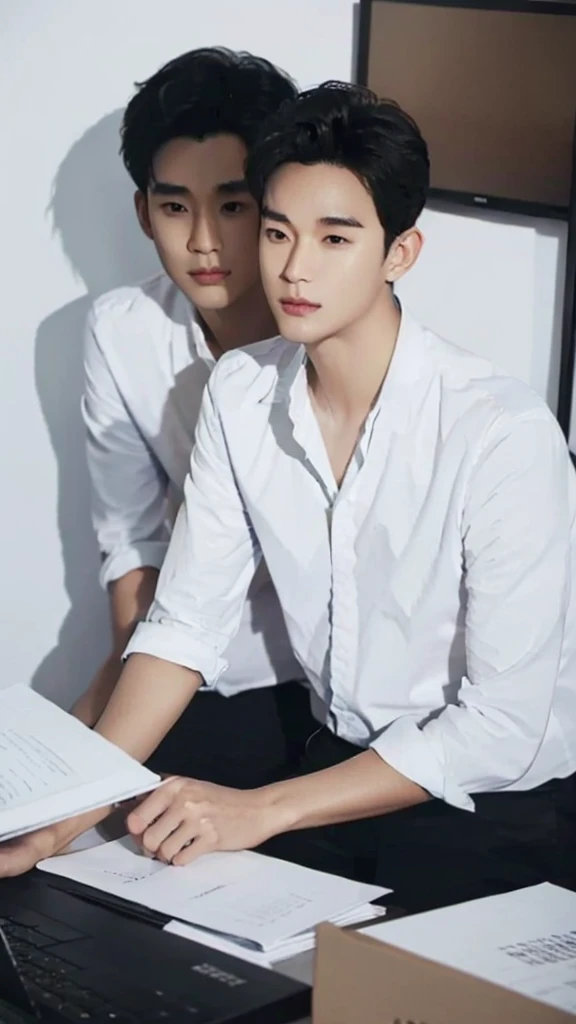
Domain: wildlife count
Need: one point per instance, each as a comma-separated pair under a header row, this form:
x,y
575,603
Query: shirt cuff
x,y
178,645
406,748
141,554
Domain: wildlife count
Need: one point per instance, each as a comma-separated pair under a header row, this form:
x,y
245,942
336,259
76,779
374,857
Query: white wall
x,y
494,284
66,71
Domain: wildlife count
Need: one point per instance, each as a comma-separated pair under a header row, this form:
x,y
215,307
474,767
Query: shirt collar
x,y
291,366
407,367
198,336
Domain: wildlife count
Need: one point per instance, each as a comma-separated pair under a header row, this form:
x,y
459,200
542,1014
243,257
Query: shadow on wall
x,y
92,215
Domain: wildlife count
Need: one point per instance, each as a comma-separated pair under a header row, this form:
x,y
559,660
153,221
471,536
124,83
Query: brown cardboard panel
x,y
493,91
359,980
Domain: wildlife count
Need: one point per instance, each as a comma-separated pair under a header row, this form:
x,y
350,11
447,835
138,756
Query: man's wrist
x,y
65,832
364,786
279,808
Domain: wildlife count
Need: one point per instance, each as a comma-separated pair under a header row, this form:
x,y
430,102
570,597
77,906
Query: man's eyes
x,y
274,234
234,207
173,208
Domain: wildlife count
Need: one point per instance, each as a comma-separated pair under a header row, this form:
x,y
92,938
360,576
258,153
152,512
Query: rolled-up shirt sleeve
x,y
211,561
129,487
516,531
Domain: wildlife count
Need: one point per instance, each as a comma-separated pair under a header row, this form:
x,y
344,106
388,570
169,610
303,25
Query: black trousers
x,y
433,854
245,741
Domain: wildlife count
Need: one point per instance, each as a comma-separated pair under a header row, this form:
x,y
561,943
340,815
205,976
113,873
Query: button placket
x,y
344,611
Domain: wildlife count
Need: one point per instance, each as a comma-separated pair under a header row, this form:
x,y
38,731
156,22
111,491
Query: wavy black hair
x,y
201,93
347,125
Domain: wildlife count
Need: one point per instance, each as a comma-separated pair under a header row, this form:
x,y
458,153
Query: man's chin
x,y
213,296
298,331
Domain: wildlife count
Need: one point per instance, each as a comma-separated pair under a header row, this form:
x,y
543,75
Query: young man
x,y
416,510
149,353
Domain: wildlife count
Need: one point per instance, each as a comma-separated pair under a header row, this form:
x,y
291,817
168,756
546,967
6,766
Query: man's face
x,y
320,243
203,220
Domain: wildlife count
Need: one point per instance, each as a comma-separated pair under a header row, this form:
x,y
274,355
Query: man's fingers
x,y
160,830
185,834
205,842
151,808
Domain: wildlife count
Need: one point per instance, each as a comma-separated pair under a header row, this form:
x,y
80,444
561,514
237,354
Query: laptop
x,y
63,958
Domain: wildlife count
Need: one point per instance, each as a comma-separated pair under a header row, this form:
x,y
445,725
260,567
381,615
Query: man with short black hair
x,y
150,349
416,509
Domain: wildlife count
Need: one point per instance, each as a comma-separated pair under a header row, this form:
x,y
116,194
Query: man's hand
x,y
184,819
22,854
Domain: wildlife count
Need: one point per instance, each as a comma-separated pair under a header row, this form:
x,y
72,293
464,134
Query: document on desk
x,y
52,767
523,940
293,946
255,899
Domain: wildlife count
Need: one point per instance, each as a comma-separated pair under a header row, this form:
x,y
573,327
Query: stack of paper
x,y
265,906
283,950
523,940
52,767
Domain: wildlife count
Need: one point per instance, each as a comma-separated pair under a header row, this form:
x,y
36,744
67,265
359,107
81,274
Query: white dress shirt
x,y
429,599
147,364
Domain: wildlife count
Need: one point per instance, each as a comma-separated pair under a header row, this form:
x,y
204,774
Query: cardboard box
x,y
360,980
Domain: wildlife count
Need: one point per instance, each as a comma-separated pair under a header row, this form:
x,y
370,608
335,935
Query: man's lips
x,y
299,307
209,276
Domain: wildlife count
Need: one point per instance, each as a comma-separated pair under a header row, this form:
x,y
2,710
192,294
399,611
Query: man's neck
x,y
247,320
347,372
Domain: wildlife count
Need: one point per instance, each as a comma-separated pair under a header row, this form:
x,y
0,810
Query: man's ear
x,y
142,212
403,254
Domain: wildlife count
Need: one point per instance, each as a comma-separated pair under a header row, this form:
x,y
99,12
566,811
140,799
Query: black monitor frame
x,y
471,201
568,343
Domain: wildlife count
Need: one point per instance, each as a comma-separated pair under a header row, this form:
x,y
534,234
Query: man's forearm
x,y
130,598
64,832
363,787
90,705
149,698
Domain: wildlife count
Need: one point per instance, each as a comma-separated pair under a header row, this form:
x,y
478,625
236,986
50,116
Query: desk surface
x,y
300,968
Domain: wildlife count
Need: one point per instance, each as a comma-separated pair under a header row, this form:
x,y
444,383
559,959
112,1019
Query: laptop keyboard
x,y
55,982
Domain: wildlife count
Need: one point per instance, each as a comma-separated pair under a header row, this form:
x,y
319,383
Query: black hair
x,y
347,125
199,94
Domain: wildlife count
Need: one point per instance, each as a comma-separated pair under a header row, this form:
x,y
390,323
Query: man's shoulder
x,y
474,384
148,302
251,372
491,427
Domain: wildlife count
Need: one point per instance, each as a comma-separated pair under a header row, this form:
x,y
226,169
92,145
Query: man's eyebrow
x,y
330,222
167,188
340,222
233,188
228,188
270,214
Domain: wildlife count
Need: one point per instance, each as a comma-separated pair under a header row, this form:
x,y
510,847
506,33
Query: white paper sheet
x,y
52,767
258,899
523,940
283,951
